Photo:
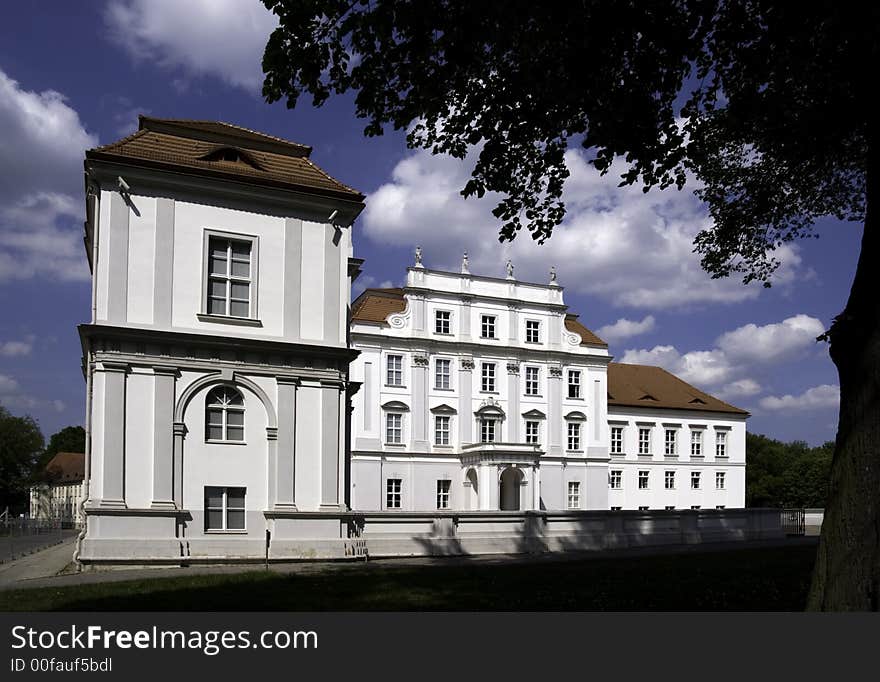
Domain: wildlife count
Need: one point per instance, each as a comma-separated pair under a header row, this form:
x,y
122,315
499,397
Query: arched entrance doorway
x,y
510,485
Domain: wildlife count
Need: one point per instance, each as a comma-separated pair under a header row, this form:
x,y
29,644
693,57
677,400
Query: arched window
x,y
224,415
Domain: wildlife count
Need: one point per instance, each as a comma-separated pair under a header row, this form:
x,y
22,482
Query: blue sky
x,y
73,75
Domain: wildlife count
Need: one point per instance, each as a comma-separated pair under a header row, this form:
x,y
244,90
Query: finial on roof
x,y
509,269
464,264
553,282
419,257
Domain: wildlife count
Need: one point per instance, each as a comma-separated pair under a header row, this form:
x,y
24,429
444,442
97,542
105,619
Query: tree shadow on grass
x,y
769,579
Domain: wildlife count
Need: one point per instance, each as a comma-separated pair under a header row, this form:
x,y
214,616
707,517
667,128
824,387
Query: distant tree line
x,y
786,474
24,456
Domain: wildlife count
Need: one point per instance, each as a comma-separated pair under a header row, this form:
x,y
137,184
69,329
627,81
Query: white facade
x,y
216,361
58,502
441,367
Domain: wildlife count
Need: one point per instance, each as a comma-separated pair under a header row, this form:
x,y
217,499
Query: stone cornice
x,y
457,348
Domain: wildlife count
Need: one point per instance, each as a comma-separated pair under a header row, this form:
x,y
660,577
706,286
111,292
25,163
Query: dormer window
x,y
231,155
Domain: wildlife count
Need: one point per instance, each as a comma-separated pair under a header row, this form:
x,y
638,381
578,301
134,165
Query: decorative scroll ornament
x,y
555,370
420,360
513,368
467,363
571,338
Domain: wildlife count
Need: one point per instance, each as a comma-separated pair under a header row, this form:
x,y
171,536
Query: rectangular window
x,y
487,430
229,277
616,440
721,443
696,443
719,480
574,495
574,384
393,427
574,436
643,480
394,375
442,372
224,508
443,494
442,322
488,376
533,334
669,480
671,445
644,441
615,479
532,432
393,487
695,480
531,381
487,326
441,430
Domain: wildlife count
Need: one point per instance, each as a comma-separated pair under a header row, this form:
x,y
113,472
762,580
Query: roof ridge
x,y
234,126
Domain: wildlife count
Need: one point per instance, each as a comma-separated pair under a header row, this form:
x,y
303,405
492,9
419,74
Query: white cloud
x,y
742,388
618,243
701,367
625,329
40,185
42,144
7,385
818,397
726,368
221,38
771,342
15,348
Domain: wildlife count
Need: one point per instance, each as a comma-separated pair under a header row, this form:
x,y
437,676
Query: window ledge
x,y
228,319
437,388
225,442
219,531
395,445
395,385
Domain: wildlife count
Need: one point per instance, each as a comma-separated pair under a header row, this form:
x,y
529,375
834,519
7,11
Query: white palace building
x,y
238,408
480,393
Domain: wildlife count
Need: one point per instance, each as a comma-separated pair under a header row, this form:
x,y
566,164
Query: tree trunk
x,y
847,572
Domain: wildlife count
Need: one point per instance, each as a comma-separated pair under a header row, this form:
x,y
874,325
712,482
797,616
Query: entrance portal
x,y
510,485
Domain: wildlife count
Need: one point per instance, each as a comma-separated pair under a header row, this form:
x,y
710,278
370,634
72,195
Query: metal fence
x,y
21,535
793,521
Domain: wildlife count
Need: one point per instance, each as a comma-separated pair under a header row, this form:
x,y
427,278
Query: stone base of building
x,y
297,536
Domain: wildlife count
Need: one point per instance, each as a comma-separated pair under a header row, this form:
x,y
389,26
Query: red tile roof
x,y
66,467
649,386
203,148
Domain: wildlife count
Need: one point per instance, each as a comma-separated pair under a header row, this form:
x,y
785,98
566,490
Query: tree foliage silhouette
x,y
768,105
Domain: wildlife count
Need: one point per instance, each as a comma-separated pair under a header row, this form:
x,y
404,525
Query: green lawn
x,y
774,579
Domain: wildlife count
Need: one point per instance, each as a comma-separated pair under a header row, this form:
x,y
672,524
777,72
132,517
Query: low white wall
x,y
318,535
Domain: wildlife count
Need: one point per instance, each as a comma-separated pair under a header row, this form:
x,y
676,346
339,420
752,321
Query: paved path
x,y
42,564
45,573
